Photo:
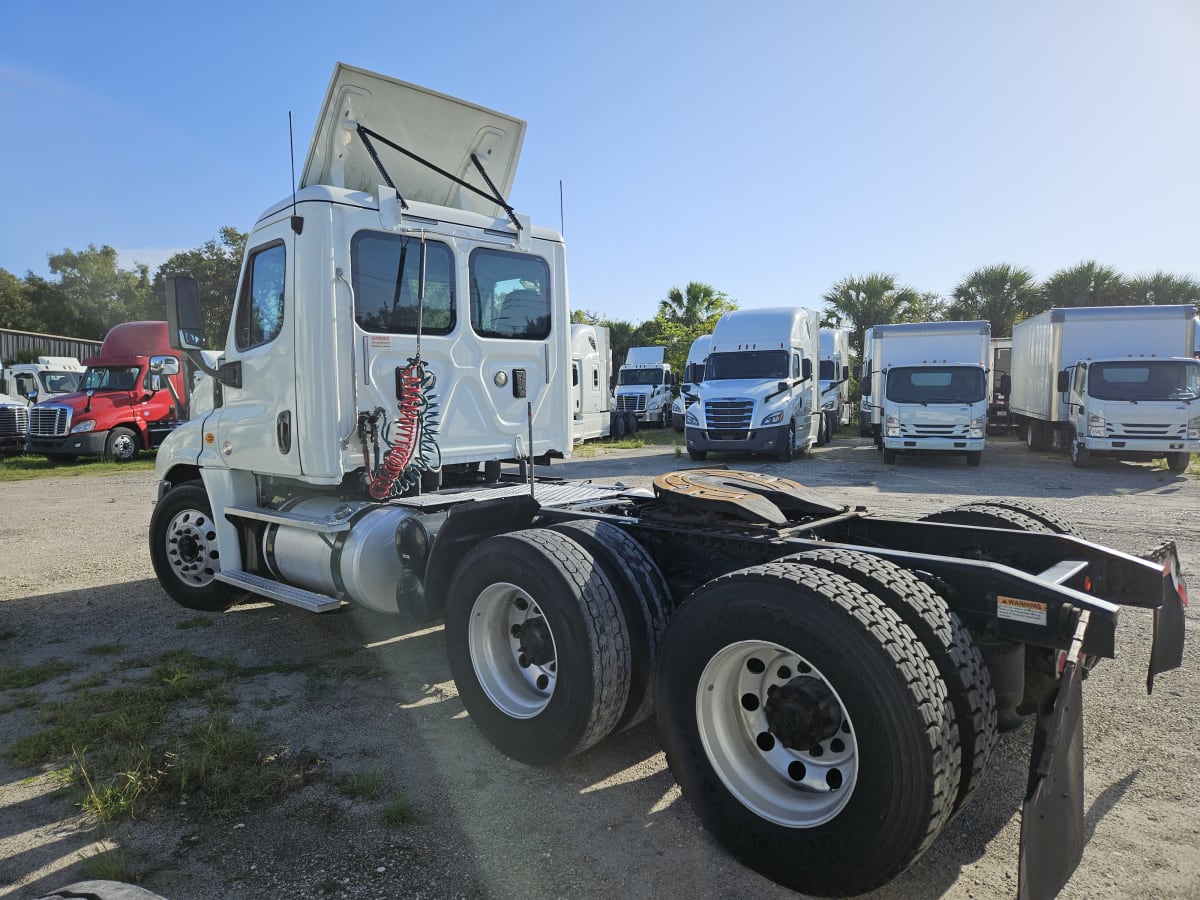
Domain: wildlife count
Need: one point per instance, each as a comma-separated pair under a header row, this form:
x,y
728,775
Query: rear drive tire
x,y
948,642
184,551
1053,522
807,726
537,644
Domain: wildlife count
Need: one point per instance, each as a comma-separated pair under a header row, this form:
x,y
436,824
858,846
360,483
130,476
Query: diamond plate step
x,y
284,593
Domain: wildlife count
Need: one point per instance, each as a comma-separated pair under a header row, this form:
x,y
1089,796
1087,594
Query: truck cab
x,y
49,377
759,392
693,374
591,375
129,399
14,425
644,385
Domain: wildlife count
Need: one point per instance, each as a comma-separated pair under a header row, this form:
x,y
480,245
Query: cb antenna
x,y
297,220
561,228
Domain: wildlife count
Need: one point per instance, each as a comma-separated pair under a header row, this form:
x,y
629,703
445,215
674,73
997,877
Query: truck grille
x,y
728,415
1144,430
921,429
14,421
49,420
631,402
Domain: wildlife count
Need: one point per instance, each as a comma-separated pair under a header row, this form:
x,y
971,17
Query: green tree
x,y
15,308
215,265
98,294
1085,284
1164,289
874,299
694,305
1002,294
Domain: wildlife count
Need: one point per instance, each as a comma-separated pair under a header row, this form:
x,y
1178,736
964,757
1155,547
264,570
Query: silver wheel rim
x,y
123,447
191,543
792,788
503,619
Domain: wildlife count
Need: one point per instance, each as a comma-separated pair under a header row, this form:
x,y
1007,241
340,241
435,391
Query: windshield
x,y
935,384
61,382
758,364
640,376
110,378
1144,380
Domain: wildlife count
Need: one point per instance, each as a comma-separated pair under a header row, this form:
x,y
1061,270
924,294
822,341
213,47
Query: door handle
x,y
283,432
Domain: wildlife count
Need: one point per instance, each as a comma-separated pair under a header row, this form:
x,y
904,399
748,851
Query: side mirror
x,y
858,369
784,385
1005,383
32,395
185,320
865,387
845,373
1064,381
806,368
164,365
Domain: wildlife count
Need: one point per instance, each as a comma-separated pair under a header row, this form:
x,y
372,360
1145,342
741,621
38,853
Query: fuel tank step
x,y
324,524
284,593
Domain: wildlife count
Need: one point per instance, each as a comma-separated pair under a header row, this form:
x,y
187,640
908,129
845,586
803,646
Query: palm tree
x,y
875,299
1002,294
1163,288
1085,284
695,304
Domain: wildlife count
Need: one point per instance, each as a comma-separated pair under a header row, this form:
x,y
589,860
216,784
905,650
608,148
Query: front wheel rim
x,y
122,447
191,546
790,787
513,651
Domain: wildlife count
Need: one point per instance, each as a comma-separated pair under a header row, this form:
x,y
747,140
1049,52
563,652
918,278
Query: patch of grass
x,y
197,622
360,785
23,468
112,864
400,812
7,635
105,649
650,437
32,675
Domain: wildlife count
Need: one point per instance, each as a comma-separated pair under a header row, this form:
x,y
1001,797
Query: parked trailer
x,y
1116,381
828,684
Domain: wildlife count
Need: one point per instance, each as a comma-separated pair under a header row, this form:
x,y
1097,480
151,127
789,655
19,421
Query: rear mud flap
x,y
1052,826
1167,652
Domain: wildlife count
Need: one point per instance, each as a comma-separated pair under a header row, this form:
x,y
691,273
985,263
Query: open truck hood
x,y
441,129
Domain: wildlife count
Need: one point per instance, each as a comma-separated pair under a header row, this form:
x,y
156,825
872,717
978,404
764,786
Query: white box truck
x,y
1119,381
644,386
929,382
759,393
693,373
834,378
591,374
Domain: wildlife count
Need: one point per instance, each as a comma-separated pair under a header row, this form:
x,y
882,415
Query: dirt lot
x,y
76,576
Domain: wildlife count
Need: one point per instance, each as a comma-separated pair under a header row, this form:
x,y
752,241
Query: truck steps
x,y
323,524
284,593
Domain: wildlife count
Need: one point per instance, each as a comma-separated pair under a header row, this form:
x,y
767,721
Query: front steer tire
x,y
538,645
184,551
852,811
122,445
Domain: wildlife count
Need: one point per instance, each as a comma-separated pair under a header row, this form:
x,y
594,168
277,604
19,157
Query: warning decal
x,y
1015,610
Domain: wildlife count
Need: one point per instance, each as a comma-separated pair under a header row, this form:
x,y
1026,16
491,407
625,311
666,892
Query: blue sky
x,y
768,149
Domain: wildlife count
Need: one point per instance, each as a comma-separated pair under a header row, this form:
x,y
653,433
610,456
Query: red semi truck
x,y
131,397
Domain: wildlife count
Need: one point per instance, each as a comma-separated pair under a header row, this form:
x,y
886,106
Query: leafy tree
x,y
98,294
215,265
1164,289
15,308
874,299
694,305
1085,284
1002,294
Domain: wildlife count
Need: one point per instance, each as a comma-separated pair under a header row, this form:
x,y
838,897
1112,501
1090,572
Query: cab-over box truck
x,y
1117,381
828,694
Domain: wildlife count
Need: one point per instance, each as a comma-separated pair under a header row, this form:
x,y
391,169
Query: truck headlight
x,y
978,427
1096,425
691,418
1194,428
892,427
89,425
773,419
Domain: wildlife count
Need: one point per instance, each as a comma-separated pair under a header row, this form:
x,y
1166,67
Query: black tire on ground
x,y
1081,456
889,456
1035,435
616,428
123,445
974,457
184,552
950,646
645,600
1179,462
698,455
788,450
631,424
750,656
538,645
1054,522
823,430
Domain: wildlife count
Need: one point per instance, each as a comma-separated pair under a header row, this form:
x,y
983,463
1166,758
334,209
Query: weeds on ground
x,y
400,812
32,675
22,468
197,622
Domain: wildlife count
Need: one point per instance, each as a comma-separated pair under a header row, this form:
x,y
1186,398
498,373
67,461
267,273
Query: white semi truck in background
x,y
693,374
49,377
834,379
929,384
1117,381
644,386
799,670
591,377
759,392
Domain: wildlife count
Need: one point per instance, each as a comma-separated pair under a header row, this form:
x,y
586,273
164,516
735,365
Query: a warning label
x,y
1015,610
381,342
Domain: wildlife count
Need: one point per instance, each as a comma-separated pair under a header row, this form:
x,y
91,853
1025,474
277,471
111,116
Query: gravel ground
x,y
76,574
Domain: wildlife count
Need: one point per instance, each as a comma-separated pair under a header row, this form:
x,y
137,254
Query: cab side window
x,y
261,303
